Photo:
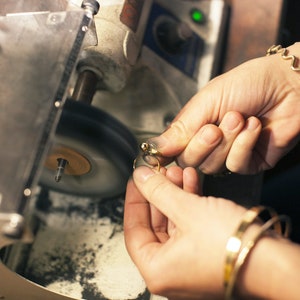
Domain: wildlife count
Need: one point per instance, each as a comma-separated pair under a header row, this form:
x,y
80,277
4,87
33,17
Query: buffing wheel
x,y
99,151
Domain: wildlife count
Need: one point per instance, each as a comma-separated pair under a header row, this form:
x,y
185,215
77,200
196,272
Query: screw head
x,y
91,5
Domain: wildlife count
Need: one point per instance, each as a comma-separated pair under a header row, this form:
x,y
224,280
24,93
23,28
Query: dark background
x,y
281,187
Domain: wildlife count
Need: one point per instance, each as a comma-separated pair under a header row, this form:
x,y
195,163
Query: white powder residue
x,y
74,289
117,275
81,255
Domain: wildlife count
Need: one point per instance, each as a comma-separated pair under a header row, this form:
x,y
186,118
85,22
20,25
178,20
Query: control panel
x,y
174,40
183,40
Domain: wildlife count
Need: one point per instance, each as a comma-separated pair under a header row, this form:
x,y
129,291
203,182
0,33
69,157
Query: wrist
x,y
271,271
294,78
282,72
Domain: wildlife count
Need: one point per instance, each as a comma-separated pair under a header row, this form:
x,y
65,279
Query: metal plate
x,y
38,54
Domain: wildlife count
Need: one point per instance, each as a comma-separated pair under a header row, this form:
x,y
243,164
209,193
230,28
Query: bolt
x,y
14,228
55,19
60,168
57,103
84,28
91,6
27,192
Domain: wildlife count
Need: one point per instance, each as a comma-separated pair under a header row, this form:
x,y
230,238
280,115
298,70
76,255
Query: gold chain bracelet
x,y
284,54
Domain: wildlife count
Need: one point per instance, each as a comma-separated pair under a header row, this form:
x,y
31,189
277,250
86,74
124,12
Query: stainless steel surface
x,y
39,51
33,82
15,287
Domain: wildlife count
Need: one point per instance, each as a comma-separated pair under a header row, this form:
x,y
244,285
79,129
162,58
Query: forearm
x,y
272,271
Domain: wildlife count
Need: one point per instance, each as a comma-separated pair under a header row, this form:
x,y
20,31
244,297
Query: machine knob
x,y
173,35
91,5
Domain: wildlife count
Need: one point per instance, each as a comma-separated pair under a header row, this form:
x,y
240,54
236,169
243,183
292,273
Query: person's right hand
x,y
245,119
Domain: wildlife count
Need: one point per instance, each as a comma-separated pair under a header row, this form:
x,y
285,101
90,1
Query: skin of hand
x,y
245,119
176,238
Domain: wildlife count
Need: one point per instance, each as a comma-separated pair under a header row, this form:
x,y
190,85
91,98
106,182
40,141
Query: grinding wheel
x,y
99,151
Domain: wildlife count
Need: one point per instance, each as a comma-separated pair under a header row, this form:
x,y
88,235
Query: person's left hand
x,y
176,238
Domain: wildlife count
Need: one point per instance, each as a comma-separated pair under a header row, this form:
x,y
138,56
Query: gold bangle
x,y
244,253
234,243
284,54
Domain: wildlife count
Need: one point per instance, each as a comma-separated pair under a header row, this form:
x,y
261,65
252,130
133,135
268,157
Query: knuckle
x,y
157,190
180,130
157,287
210,169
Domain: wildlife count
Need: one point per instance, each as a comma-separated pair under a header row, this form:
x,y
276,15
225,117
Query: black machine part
x,y
98,150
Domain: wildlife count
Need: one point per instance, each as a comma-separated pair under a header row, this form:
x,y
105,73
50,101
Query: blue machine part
x,y
186,59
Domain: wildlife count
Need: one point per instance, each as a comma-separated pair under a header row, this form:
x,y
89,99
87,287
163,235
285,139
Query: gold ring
x,y
149,150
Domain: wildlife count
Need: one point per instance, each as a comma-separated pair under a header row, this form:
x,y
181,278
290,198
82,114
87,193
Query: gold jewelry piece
x,y
149,150
234,243
284,54
243,254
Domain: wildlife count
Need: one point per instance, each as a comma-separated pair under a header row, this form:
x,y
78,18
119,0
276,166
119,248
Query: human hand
x,y
178,238
245,119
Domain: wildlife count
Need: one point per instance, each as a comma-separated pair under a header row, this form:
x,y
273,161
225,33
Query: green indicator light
x,y
197,16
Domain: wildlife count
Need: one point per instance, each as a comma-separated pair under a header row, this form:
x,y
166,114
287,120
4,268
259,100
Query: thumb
x,y
171,200
199,111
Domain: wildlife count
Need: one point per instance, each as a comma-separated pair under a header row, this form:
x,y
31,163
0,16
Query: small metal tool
x,y
60,168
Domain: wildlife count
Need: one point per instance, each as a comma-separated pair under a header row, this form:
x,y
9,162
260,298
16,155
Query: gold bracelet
x,y
234,243
244,253
284,54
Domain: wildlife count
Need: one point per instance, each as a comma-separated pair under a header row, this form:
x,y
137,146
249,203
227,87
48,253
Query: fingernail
x,y
142,174
158,142
209,136
252,123
231,121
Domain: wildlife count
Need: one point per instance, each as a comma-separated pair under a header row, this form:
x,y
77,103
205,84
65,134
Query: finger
x,y
191,181
200,146
159,222
196,113
231,126
277,138
165,195
175,174
137,225
241,157
187,179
